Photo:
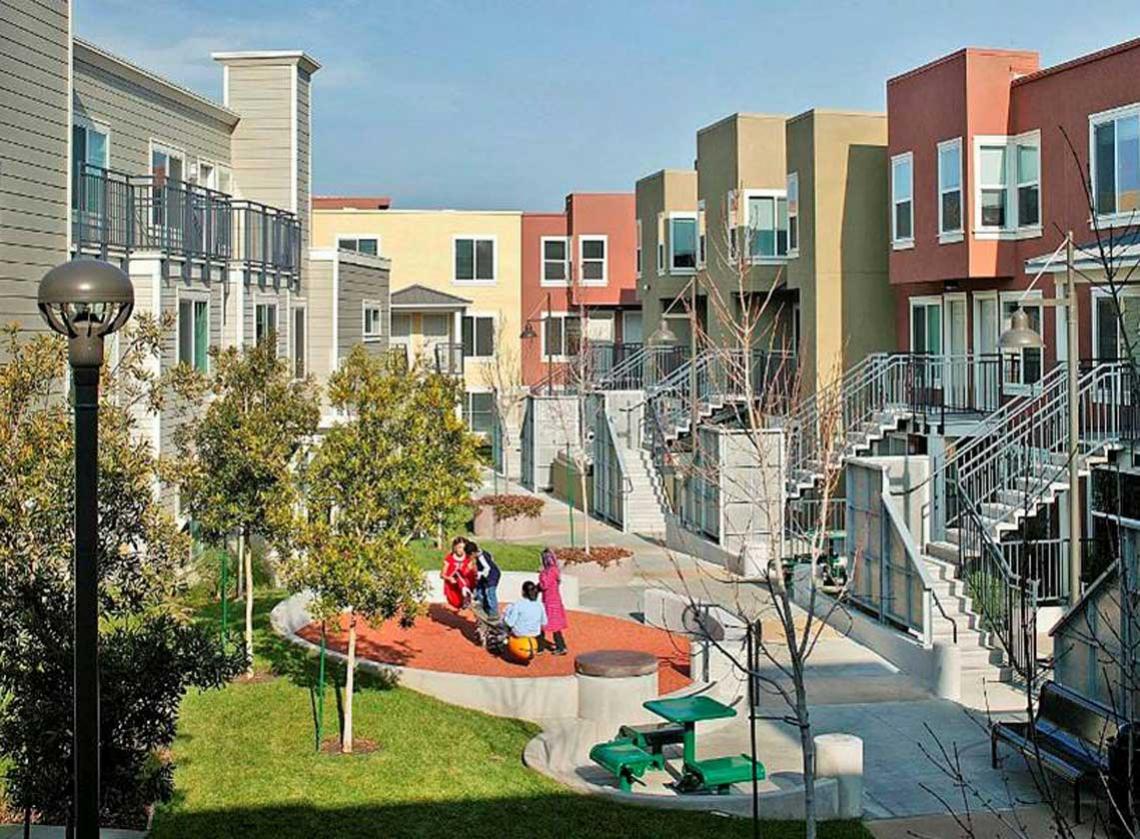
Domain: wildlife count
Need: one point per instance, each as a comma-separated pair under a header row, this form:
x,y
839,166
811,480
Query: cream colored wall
x,y
419,243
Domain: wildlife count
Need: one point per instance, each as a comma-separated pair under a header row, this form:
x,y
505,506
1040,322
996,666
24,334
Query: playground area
x,y
444,641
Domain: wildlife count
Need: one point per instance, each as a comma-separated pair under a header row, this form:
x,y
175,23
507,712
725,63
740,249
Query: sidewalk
x,y
1025,821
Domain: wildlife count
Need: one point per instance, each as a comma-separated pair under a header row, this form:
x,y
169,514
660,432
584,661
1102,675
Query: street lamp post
x,y
86,300
1020,336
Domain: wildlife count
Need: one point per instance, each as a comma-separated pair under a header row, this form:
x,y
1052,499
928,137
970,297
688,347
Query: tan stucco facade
x,y
421,247
840,273
657,196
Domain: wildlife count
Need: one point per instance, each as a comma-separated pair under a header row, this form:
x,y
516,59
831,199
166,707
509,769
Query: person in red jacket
x,y
550,583
458,574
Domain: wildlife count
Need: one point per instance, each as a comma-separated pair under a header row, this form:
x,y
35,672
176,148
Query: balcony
x,y
116,212
449,359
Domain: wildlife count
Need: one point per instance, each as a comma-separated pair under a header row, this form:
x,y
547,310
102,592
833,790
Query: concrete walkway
x,y
851,689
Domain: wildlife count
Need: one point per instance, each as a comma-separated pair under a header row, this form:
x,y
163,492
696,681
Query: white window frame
x,y
593,237
1013,228
695,219
467,411
660,244
543,260
299,304
366,305
1115,218
638,254
476,238
775,195
258,302
357,237
902,243
793,186
1025,299
170,151
88,124
949,236
194,298
1126,293
477,315
557,315
702,239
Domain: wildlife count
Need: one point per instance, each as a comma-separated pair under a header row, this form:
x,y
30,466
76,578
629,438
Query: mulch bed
x,y
444,641
603,555
360,746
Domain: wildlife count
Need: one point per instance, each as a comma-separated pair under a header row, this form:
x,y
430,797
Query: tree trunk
x,y
241,567
585,506
808,746
346,742
247,570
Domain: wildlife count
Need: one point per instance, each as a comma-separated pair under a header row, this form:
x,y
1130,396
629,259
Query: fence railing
x,y
449,359
116,211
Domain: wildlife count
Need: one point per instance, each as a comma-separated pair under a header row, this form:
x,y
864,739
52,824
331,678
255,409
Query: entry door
x,y
987,359
957,375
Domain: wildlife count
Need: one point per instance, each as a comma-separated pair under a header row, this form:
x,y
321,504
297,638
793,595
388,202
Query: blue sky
x,y
510,105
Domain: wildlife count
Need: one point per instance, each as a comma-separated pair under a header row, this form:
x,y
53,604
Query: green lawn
x,y
510,556
246,767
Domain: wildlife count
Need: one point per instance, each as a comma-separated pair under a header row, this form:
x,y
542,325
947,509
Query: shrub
x,y
604,555
512,506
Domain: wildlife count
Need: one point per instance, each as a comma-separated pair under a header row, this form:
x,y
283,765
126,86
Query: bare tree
x,y
504,376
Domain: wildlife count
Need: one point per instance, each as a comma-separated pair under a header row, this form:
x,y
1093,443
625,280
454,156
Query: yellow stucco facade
x,y
421,245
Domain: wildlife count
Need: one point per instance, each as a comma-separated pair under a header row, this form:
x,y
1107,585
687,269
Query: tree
x,y
150,656
504,376
238,457
400,461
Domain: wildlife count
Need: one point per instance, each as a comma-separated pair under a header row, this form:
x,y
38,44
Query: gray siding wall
x,y
262,141
34,138
136,115
355,284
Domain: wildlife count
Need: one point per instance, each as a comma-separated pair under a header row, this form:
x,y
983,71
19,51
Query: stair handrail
x,y
611,432
914,557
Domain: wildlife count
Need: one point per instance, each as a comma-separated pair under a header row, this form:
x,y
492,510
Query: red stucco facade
x,y
609,215
999,93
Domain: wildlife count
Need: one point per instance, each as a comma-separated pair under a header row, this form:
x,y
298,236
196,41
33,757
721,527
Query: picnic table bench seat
x,y
623,759
720,773
653,738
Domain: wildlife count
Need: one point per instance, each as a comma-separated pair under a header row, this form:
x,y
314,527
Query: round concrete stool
x,y
840,756
612,684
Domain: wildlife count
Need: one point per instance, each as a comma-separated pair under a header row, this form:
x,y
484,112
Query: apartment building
x,y
455,282
580,261
204,204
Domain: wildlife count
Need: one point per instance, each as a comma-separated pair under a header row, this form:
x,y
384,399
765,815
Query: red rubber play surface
x,y
444,640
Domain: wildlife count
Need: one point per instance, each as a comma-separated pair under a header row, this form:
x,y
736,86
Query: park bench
x,y
720,773
622,759
653,738
1071,737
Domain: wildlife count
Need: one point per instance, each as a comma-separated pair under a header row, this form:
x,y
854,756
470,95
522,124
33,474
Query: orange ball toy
x,y
522,649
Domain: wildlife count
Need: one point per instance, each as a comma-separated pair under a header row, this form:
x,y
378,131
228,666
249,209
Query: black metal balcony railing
x,y
115,211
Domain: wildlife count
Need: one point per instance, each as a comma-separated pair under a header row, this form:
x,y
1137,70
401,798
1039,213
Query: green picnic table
x,y
715,773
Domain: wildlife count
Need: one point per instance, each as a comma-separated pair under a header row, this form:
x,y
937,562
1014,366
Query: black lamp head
x,y
86,300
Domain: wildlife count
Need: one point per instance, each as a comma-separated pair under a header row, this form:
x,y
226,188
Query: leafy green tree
x,y
398,463
150,656
238,458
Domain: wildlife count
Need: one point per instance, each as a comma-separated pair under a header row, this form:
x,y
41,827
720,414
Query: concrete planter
x,y
487,526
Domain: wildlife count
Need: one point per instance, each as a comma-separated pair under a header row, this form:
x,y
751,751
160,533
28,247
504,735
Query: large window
x,y
89,145
1108,341
1116,162
194,333
167,167
478,336
265,322
555,260
300,345
793,213
592,252
474,259
902,199
683,242
950,190
561,336
373,320
767,226
479,411
1021,368
361,244
926,325
401,325
1009,184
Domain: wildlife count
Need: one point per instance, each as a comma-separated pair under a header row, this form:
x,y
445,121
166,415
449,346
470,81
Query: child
x,y
525,618
487,577
549,580
458,574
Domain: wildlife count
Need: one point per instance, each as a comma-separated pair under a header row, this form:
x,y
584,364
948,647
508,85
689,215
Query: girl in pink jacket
x,y
549,580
